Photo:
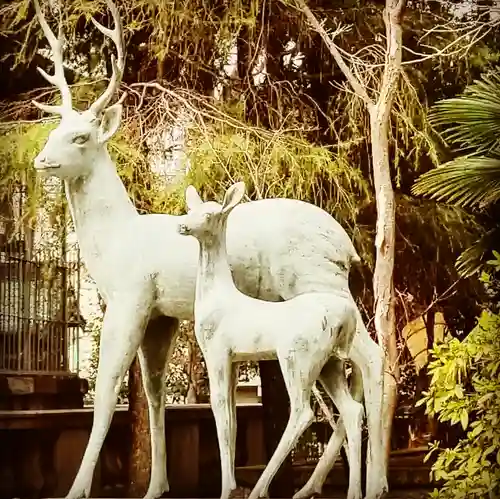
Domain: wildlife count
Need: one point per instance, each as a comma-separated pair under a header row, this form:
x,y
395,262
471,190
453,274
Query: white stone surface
x,y
310,334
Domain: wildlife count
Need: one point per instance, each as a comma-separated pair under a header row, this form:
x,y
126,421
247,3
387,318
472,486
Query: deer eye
x,y
80,139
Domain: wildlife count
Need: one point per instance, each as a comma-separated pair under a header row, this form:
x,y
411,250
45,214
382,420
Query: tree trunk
x,y
385,239
140,455
383,290
276,411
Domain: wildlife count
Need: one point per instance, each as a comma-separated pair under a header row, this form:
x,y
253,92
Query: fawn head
x,y
73,149
208,219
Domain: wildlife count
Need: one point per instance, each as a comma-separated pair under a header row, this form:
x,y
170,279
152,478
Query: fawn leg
x,y
232,403
300,370
219,376
122,331
315,483
368,359
154,352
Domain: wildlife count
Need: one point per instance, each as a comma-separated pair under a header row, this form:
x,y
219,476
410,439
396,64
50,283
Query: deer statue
x,y
146,271
310,335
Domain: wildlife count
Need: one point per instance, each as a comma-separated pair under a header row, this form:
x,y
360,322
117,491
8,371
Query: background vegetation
x,y
298,134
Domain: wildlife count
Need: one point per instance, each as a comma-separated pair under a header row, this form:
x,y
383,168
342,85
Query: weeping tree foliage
x,y
17,144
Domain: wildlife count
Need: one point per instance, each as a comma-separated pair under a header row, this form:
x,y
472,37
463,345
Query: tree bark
x,y
276,411
383,289
385,239
139,465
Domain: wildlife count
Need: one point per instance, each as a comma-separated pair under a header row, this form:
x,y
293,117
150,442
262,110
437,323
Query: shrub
x,y
465,389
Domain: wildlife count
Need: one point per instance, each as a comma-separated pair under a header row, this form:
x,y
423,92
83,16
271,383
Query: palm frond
x,y
468,181
473,259
472,120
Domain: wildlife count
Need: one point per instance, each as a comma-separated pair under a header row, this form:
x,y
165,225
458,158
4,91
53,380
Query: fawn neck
x,y
214,273
99,206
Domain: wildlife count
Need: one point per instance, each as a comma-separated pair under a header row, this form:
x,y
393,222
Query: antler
x,y
58,79
117,64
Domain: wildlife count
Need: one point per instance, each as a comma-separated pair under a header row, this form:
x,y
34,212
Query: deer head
x,y
207,219
73,149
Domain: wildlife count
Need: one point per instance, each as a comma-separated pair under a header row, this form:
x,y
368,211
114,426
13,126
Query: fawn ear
x,y
110,122
233,196
193,199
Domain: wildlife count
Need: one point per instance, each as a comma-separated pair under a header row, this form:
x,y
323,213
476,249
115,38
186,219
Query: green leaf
x,y
472,120
476,431
459,392
421,402
464,419
487,396
466,181
489,450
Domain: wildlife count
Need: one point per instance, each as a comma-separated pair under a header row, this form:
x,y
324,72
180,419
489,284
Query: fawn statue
x,y
310,335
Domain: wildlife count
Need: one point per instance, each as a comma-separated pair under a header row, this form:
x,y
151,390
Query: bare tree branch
x,y
318,27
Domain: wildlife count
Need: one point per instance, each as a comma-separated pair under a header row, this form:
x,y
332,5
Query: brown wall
x,y
40,452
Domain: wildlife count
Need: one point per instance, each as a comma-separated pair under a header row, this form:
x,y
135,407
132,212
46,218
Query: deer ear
x,y
193,199
111,119
233,196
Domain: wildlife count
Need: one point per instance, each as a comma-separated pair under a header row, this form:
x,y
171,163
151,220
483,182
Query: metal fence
x,y
39,293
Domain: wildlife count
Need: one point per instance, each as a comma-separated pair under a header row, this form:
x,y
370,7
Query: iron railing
x,y
39,294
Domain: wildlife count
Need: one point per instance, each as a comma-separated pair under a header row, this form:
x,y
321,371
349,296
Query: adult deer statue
x,y
146,271
310,335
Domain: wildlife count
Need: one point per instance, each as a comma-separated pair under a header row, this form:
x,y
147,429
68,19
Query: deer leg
x,y
369,358
122,331
315,483
155,350
300,370
219,376
232,404
334,382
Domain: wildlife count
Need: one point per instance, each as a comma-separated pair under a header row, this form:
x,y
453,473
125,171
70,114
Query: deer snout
x,y
43,163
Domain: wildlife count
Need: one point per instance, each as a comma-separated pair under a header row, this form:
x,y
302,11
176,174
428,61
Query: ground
x,y
395,494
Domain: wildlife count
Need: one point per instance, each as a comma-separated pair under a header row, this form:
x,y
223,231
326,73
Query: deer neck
x,y
214,274
99,206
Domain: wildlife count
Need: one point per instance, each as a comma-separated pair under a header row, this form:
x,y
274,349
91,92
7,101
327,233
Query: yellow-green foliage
x,y
273,164
282,166
147,189
465,389
19,144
